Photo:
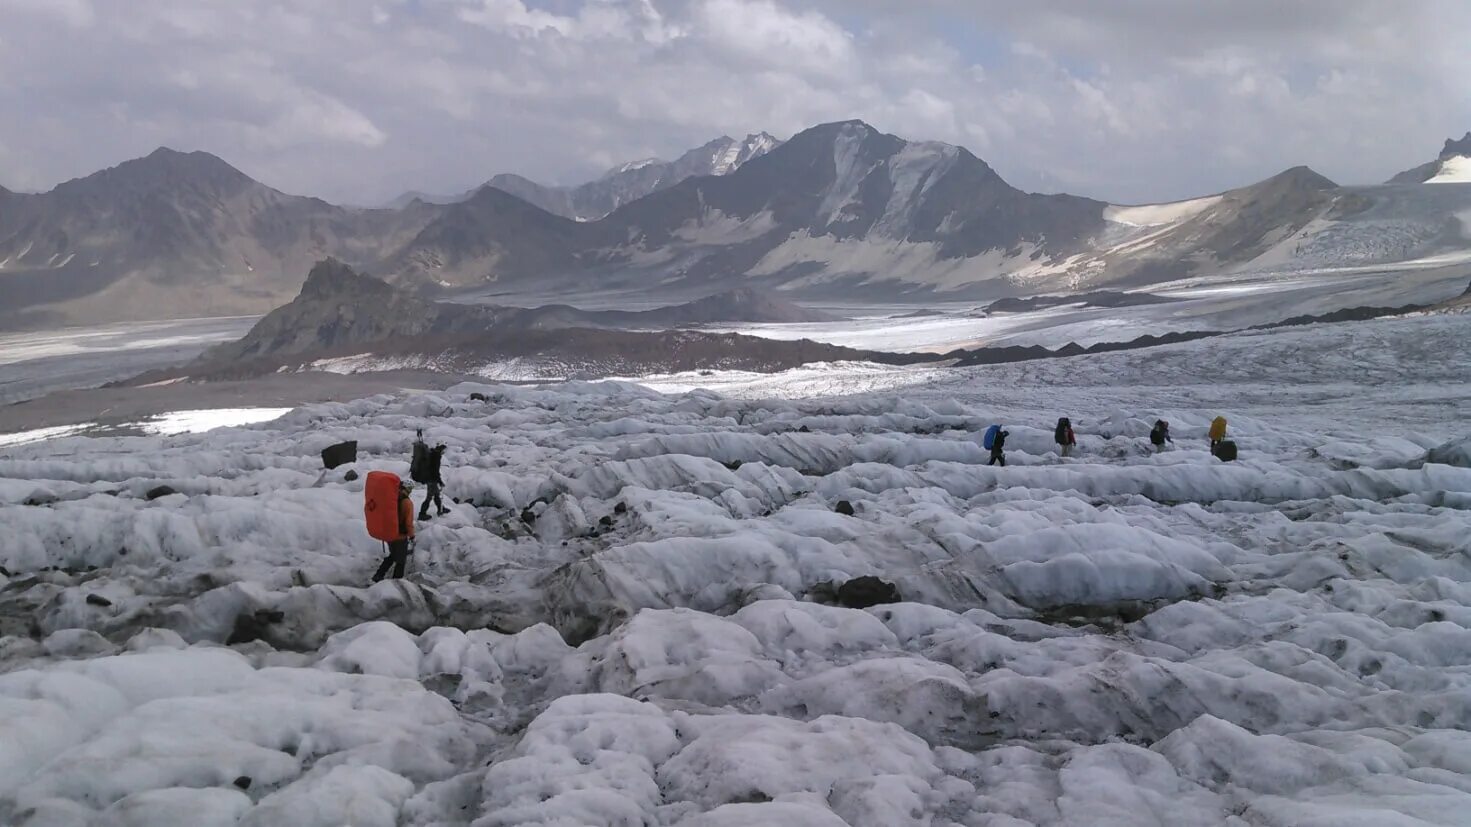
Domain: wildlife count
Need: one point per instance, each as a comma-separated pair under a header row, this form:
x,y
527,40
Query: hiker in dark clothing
x,y
1160,435
998,454
434,482
399,548
1064,437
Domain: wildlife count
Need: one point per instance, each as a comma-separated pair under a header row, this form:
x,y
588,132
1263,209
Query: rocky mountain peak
x,y
163,170
331,279
1455,147
1301,177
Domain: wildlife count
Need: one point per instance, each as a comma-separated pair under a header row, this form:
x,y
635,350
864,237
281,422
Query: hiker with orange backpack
x,y
390,516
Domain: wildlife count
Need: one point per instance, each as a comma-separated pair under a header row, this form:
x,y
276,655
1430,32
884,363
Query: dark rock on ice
x,y
159,491
862,592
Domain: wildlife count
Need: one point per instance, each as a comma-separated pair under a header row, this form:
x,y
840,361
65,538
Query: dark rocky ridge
x,y
340,312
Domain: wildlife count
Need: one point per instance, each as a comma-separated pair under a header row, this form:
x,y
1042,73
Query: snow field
x,y
625,621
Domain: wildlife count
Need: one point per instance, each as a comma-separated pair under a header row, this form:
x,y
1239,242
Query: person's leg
x,y
383,567
438,490
424,509
1002,457
400,557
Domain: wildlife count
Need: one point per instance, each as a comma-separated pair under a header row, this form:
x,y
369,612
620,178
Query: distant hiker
x,y
1217,433
995,441
389,512
1160,435
1063,436
435,484
425,468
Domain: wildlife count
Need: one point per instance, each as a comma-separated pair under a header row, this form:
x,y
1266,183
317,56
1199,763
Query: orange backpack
x,y
380,506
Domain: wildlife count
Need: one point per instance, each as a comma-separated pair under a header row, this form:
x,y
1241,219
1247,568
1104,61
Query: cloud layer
x,y
356,101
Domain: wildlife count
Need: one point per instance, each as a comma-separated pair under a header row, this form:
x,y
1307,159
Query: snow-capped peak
x,y
636,165
732,155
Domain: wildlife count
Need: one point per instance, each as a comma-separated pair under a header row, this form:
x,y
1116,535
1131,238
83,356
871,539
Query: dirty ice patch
x,y
194,422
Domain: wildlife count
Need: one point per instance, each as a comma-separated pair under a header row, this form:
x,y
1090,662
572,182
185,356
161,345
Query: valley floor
x,y
627,620
35,363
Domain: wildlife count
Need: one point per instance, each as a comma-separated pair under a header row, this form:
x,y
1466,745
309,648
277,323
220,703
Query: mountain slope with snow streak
x,y
627,618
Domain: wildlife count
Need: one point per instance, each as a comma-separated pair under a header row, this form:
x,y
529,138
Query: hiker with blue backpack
x,y
995,441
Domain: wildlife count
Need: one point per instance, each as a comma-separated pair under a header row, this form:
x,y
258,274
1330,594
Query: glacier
x,y
628,617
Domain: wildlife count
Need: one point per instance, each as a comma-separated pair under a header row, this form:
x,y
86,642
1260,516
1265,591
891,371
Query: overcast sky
x,y
358,100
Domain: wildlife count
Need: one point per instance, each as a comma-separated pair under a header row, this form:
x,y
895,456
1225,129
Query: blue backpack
x,y
989,440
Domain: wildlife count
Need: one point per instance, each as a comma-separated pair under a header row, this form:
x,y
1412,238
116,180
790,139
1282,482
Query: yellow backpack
x,y
1218,428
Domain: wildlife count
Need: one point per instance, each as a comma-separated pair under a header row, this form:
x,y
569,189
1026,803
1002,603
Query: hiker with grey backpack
x,y
426,468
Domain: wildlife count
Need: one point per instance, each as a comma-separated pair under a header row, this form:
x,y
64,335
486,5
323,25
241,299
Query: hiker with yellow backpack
x,y
1221,448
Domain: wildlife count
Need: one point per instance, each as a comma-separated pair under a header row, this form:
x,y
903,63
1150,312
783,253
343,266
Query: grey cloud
x,y
354,101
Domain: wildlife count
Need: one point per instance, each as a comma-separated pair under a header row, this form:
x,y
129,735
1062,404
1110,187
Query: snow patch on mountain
x,y
879,259
714,227
912,172
737,153
850,170
1453,170
1154,215
633,165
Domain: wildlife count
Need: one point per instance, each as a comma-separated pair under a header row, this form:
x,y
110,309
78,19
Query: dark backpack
x,y
419,470
1063,432
1160,432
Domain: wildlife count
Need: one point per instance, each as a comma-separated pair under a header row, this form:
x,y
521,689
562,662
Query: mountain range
x,y
620,185
839,211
